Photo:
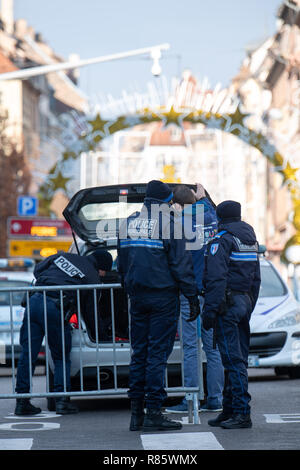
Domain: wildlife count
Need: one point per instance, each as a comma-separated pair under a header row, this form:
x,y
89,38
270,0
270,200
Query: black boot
x,y
64,406
156,421
25,408
237,421
137,415
219,419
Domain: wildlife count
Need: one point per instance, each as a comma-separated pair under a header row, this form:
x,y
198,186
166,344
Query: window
x,y
271,284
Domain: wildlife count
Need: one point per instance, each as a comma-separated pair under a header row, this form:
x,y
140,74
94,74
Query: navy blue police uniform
x,y
56,270
154,268
232,283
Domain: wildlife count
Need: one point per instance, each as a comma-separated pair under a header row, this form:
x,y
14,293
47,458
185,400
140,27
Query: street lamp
x,y
156,68
154,51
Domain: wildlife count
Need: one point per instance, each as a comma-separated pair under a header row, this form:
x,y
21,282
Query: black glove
x,y
194,308
208,320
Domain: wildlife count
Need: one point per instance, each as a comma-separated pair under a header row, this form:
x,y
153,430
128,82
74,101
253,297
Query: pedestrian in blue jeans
x,y
192,201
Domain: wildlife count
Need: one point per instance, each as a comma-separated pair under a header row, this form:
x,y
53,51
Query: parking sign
x,y
27,205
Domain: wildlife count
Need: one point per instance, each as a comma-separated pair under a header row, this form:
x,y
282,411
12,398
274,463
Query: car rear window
x,y
271,284
16,296
109,210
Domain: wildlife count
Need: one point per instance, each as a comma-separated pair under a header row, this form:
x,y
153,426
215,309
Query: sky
x,y
207,37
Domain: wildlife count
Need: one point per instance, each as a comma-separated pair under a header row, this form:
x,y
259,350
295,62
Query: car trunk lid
x,y
95,214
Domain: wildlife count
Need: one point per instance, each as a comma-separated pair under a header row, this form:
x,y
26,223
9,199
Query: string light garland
x,y
233,123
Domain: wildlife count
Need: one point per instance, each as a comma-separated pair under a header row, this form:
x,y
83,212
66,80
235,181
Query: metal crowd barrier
x,y
118,351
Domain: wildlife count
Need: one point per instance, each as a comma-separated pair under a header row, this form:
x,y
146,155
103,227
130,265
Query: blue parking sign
x,y
27,205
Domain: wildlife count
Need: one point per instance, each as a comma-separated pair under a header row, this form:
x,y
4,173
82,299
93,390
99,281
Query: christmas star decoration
x,y
172,117
98,123
289,173
237,118
59,181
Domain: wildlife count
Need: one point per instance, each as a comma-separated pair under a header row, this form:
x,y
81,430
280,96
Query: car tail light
x,y
121,340
74,321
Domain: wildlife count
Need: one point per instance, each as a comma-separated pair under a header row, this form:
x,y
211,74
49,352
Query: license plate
x,y
253,361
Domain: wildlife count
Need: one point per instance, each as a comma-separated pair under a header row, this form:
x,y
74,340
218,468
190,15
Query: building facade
x,y
38,108
268,85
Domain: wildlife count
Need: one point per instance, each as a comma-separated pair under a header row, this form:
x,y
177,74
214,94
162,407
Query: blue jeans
x,y
37,331
154,319
214,367
190,345
233,337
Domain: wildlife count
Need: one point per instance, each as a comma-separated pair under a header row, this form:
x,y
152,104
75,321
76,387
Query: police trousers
x,y
37,332
233,338
154,320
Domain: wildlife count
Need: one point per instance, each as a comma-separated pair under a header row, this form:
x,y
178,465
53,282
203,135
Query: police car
x,y
95,215
13,273
275,325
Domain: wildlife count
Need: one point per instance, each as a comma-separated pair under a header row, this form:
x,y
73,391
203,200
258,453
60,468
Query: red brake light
x,y
74,321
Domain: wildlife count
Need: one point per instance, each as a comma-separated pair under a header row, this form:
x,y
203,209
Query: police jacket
x,y
151,257
231,262
204,225
66,269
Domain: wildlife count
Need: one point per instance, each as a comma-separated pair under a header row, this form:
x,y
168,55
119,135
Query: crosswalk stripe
x,y
16,444
181,441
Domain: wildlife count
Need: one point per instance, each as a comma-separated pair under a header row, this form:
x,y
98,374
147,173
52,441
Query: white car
x,y
275,325
10,278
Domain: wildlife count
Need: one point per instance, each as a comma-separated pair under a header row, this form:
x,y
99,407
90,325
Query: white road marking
x,y
32,426
42,415
181,441
283,418
16,444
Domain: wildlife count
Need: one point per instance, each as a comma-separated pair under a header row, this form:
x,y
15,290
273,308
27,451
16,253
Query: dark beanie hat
x,y
159,190
229,210
102,259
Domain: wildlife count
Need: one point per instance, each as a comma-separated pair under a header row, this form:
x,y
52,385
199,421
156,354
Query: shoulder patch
x,y
214,248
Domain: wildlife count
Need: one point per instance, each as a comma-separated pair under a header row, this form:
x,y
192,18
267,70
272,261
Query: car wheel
x,y
294,372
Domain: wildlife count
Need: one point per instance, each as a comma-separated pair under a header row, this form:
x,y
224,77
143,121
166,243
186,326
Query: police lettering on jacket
x,y
67,267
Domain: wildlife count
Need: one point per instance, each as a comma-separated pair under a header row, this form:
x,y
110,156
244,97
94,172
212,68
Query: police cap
x,y
229,210
159,190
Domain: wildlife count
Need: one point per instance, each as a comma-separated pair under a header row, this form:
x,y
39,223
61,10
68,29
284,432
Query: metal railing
x,y
90,352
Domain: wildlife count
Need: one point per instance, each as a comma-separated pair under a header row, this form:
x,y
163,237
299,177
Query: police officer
x,y
155,268
232,282
59,269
